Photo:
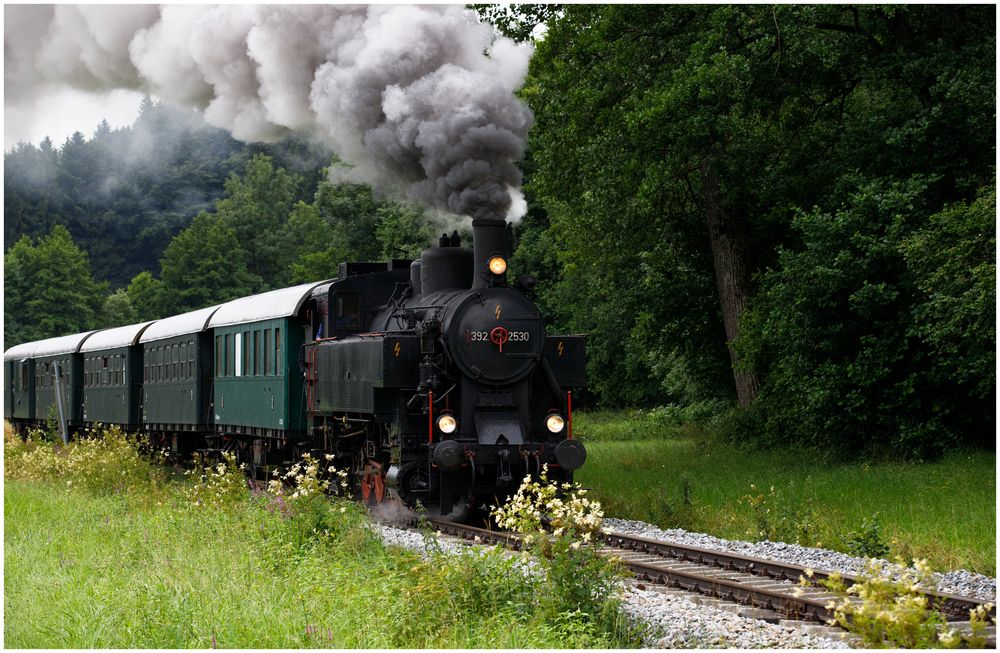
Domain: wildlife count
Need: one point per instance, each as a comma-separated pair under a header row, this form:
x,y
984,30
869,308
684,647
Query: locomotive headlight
x,y
497,265
554,423
447,424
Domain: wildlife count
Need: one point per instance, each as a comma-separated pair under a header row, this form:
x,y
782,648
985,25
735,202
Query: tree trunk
x,y
731,256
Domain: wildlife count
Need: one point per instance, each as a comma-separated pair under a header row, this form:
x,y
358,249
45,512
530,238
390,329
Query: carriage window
x,y
218,355
24,376
277,351
256,353
268,358
245,343
238,370
347,311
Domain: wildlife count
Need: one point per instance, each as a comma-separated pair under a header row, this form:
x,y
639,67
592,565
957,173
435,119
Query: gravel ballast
x,y
960,582
666,621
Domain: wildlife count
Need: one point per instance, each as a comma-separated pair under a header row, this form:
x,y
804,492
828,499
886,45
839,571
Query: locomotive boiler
x,y
435,380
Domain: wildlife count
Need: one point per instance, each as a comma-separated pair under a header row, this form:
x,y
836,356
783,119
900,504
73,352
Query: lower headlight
x,y
447,424
554,423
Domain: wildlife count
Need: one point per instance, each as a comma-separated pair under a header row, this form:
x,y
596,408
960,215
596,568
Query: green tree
x,y
309,252
256,206
205,265
118,310
952,261
402,230
517,21
49,289
675,147
147,297
878,334
352,212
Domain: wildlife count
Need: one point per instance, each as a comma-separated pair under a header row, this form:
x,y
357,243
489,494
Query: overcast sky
x,y
65,112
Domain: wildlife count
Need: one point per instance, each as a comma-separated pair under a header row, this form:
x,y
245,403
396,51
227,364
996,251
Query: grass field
x,y
643,468
102,550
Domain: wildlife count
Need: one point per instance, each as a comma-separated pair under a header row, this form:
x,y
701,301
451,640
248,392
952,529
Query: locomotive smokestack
x,y
489,240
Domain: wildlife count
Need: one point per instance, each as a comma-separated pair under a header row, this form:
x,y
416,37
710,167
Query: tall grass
x,y
641,466
202,562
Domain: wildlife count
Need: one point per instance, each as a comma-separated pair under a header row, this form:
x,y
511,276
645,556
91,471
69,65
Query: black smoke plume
x,y
419,100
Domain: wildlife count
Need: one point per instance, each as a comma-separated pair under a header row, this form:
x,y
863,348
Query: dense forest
x,y
783,217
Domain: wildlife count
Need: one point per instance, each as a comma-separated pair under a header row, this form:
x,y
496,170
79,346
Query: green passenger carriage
x,y
58,369
258,384
177,377
112,376
19,382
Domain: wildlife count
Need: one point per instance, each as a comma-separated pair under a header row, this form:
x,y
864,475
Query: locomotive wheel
x,y
366,486
373,483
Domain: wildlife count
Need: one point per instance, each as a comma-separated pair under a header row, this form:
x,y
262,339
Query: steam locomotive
x,y
433,381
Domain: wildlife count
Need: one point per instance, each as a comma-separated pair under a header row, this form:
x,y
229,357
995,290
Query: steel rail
x,y
953,606
769,584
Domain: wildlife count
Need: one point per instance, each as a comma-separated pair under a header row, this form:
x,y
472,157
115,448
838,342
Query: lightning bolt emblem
x,y
560,347
498,311
396,349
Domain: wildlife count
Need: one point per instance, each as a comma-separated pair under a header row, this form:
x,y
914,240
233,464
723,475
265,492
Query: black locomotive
x,y
436,378
432,380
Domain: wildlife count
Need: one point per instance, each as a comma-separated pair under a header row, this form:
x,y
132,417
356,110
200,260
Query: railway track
x,y
772,588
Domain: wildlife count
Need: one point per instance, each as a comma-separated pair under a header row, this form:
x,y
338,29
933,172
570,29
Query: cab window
x,y
347,310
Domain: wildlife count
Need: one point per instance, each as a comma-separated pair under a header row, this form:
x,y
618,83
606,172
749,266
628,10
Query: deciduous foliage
x,y
52,287
256,206
204,265
952,259
402,230
146,294
697,163
118,310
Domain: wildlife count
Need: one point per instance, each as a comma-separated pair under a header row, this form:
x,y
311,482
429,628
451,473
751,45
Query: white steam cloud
x,y
418,99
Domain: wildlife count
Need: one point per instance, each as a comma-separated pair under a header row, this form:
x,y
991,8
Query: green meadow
x,y
104,550
680,477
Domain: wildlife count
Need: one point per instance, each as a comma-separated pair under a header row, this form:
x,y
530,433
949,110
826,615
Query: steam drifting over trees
x,y
407,95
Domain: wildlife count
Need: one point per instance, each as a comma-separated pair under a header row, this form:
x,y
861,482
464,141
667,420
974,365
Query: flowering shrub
x,y
308,478
302,496
558,524
103,460
542,507
221,485
894,613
